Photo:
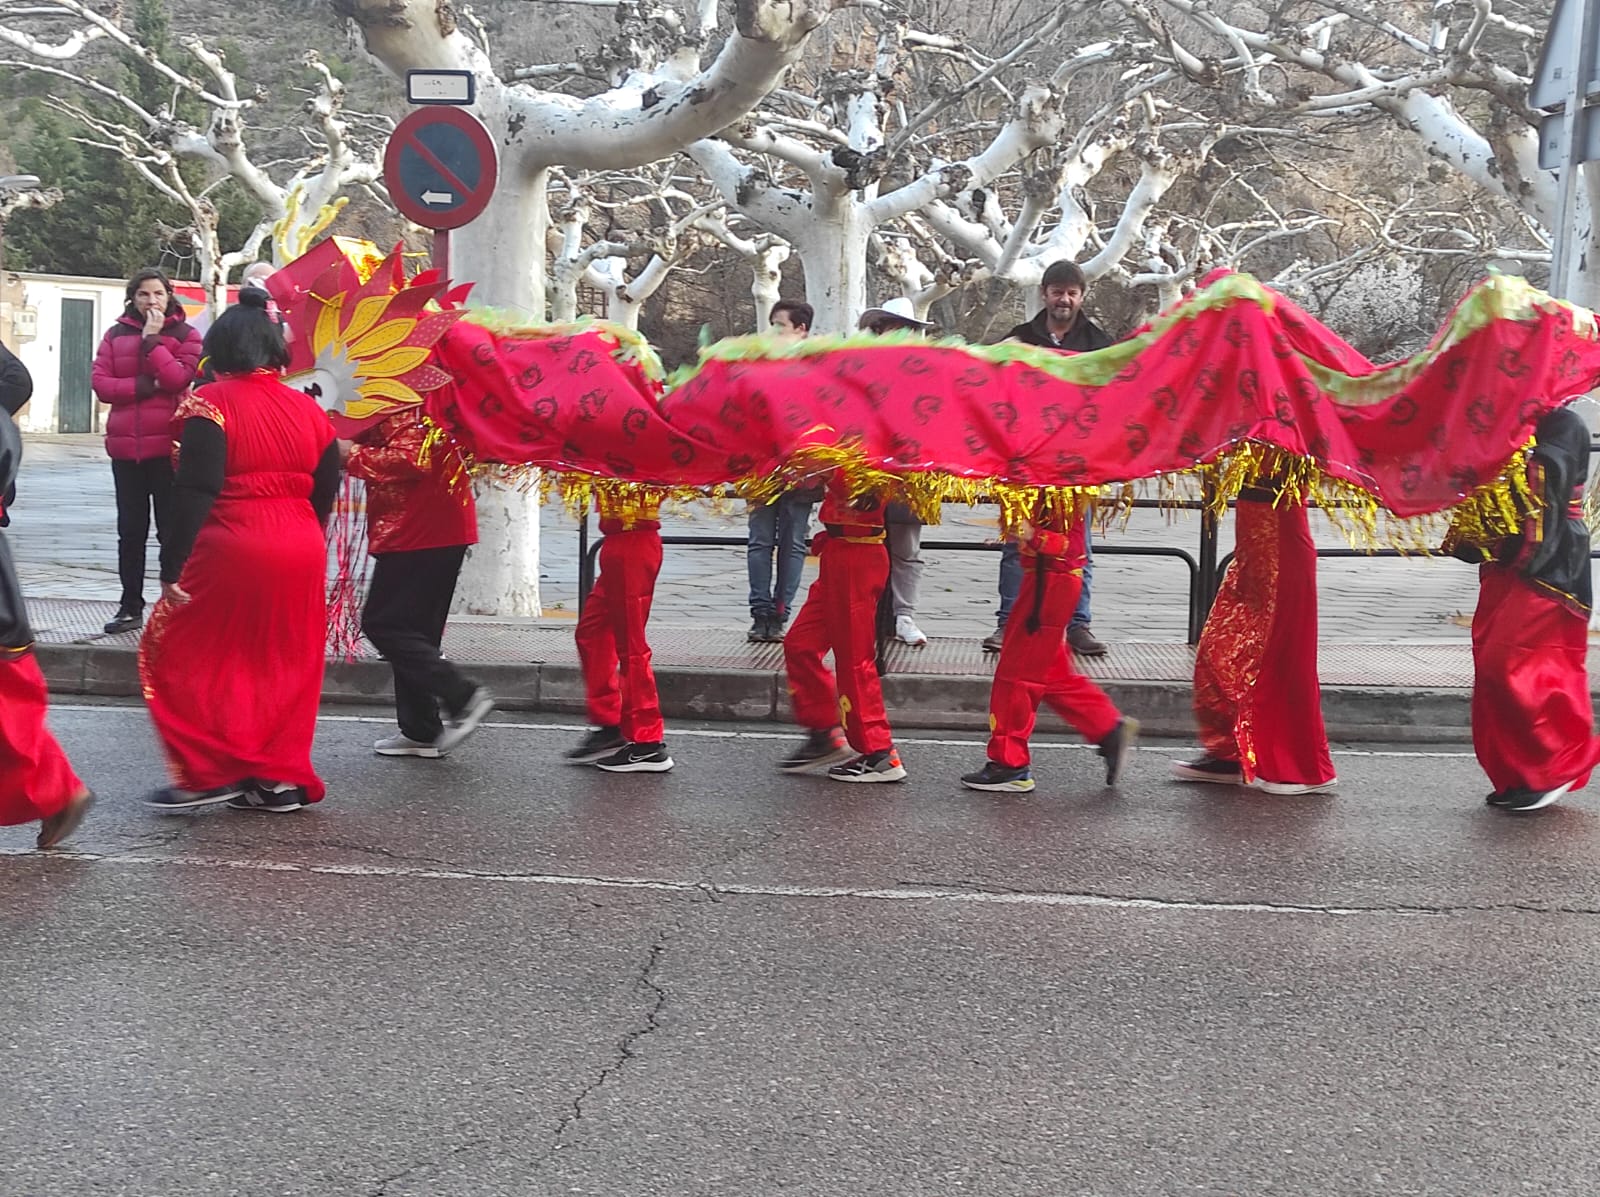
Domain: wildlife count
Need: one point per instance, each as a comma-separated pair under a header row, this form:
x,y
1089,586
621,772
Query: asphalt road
x,y
499,975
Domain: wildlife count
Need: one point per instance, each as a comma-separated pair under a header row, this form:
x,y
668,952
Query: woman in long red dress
x,y
232,658
1532,717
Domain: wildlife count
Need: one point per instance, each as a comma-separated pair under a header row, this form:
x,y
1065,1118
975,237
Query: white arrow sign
x,y
438,197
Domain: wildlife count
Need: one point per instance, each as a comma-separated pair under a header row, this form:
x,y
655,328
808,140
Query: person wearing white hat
x,y
905,530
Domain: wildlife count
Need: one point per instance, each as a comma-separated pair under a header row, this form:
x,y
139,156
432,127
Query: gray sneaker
x,y
458,727
406,746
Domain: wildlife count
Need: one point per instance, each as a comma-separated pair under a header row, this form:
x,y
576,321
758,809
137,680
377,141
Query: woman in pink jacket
x,y
147,362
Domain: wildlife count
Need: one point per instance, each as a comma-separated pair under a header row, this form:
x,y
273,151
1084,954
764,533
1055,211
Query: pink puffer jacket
x,y
143,378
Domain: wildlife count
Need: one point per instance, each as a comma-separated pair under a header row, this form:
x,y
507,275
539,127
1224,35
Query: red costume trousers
x,y
1036,667
36,779
617,677
1256,695
840,613
1532,721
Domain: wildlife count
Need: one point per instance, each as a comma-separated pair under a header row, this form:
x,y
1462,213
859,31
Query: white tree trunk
x,y
766,280
502,254
501,576
833,253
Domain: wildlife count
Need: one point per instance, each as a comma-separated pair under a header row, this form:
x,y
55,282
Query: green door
x,y
75,405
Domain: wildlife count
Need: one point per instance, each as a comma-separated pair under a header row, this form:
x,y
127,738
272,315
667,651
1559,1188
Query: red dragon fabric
x,y
1233,372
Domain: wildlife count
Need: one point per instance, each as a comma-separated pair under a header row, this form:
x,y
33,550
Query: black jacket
x,y
16,388
16,384
1085,337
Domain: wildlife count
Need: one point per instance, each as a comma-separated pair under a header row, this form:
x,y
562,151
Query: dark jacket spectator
x,y
1085,336
16,384
16,388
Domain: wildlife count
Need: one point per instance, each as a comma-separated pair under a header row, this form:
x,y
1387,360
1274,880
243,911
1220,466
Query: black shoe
x,y
1209,768
1501,797
124,621
1118,747
758,630
1530,800
271,797
637,758
64,822
883,765
173,799
773,633
999,778
1082,641
995,640
602,741
820,749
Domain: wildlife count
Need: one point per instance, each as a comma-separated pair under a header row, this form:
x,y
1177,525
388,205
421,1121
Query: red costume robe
x,y
840,613
619,682
1532,715
1035,664
1257,699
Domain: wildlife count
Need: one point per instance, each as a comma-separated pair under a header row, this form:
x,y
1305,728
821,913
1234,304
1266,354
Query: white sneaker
x,y
1294,787
406,746
461,726
907,632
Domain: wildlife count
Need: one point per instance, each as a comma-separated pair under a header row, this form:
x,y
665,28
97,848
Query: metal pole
x,y
1580,66
441,252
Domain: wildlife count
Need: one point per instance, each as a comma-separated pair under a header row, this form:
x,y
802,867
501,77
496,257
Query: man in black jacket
x,y
1061,325
16,388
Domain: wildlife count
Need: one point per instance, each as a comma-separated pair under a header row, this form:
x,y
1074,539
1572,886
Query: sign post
x,y
441,168
1564,80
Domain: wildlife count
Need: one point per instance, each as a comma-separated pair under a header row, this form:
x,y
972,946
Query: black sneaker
x,y
637,758
999,778
271,797
1117,748
1530,800
124,621
758,630
773,633
1501,797
883,765
171,798
1209,768
602,741
819,750
994,641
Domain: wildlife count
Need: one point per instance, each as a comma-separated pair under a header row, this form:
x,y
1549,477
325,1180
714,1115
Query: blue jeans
x,y
1011,581
782,526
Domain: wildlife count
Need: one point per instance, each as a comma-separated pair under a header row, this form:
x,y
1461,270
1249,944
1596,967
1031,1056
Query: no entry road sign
x,y
440,167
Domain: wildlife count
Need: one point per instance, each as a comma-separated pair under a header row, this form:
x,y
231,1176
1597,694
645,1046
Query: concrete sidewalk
x,y
1396,655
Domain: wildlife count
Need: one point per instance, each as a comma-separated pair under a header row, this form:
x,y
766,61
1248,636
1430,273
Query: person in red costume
x,y
1532,718
420,519
1036,665
37,783
1257,699
619,683
840,614
233,655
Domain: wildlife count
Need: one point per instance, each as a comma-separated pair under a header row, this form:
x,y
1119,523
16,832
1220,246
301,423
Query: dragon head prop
x,y
362,336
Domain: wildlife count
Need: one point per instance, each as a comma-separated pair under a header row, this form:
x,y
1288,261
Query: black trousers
x,y
408,601
140,486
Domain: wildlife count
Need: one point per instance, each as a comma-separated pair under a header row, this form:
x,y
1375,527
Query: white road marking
x,y
892,893
791,733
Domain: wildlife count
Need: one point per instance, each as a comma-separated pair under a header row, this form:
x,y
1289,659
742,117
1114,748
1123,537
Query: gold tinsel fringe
x,y
1492,511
